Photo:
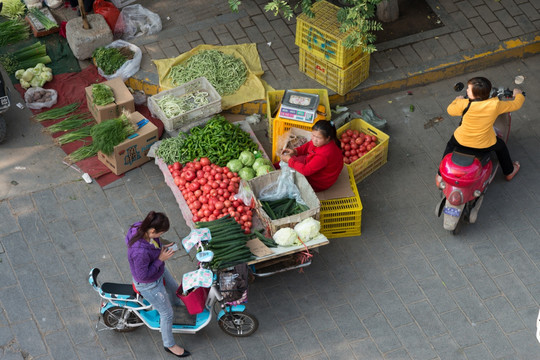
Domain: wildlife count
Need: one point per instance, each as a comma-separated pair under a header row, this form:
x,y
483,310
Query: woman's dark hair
x,y
154,220
481,87
328,130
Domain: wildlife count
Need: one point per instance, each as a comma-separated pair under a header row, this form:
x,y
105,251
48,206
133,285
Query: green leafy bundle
x,y
102,94
13,31
25,58
109,133
109,60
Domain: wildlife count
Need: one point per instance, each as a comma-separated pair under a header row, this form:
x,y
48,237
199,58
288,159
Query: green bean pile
x,y
218,140
225,72
177,105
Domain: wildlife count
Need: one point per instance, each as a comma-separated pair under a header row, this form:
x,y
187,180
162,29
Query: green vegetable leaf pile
x,y
109,60
102,94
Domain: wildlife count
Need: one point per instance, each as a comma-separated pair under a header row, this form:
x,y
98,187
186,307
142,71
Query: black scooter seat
x,y
118,289
464,159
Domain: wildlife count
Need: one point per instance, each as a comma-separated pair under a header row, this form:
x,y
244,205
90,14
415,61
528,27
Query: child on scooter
x,y
147,256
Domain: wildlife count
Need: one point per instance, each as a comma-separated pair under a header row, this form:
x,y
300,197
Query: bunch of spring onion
x,y
74,135
225,72
34,77
13,31
72,122
81,153
57,113
25,58
177,105
47,23
109,133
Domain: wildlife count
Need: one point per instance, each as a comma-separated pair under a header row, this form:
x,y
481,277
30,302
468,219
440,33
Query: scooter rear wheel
x,y
238,324
118,318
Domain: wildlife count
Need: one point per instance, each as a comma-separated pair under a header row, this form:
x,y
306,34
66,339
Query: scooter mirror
x,y
458,87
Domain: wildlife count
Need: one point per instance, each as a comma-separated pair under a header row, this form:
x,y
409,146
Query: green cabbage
x,y
247,158
264,169
19,74
246,173
235,165
260,162
308,229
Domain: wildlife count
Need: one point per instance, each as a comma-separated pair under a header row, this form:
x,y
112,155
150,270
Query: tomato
x,y
349,132
227,203
196,218
244,218
362,148
346,160
205,161
347,153
207,168
170,167
247,224
354,146
177,166
249,213
194,186
240,208
373,138
347,147
218,176
367,139
354,152
189,175
370,146
345,139
236,203
196,204
226,194
204,200
220,192
219,205
207,212
354,158
177,180
214,184
197,193
212,217
197,165
359,140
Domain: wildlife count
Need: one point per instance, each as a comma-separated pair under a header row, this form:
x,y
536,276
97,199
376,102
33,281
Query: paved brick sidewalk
x,y
404,289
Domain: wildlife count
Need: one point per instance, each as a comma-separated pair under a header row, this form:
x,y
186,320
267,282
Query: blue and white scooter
x,y
124,310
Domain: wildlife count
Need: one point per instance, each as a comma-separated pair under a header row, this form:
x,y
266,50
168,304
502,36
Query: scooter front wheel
x,y
238,324
121,319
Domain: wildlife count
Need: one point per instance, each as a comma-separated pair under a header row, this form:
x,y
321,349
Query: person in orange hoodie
x,y
320,160
475,134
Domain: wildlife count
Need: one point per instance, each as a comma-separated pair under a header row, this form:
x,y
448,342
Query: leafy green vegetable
x,y
12,8
260,162
57,113
102,94
109,133
225,72
246,173
264,169
109,60
47,23
13,31
247,158
235,165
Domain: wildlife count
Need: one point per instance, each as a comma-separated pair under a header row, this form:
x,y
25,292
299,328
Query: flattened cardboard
x,y
258,248
132,152
341,189
123,99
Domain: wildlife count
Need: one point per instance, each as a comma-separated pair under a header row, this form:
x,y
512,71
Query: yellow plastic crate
x,y
374,159
273,101
321,37
280,127
342,217
341,80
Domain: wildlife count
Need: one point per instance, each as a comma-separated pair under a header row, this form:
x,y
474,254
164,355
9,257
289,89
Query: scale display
x,y
299,106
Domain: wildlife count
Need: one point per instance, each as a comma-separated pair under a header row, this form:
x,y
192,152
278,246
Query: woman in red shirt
x,y
320,160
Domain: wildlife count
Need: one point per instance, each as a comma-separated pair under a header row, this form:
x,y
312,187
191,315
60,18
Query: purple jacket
x,y
143,258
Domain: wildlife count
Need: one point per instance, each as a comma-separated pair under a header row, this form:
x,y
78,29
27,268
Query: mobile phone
x,y
174,247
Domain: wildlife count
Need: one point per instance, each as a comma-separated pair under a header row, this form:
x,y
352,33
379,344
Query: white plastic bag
x,y
31,95
283,188
130,67
53,4
135,20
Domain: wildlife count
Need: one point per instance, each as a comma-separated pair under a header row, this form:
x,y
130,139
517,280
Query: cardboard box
x,y
132,152
123,100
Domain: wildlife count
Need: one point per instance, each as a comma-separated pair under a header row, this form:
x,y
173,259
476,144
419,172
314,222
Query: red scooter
x,y
465,177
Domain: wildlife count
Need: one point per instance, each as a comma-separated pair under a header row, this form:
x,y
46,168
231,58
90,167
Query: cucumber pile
x,y
228,242
277,209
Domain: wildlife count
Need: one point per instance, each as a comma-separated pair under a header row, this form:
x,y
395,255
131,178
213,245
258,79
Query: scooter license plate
x,y
4,102
451,211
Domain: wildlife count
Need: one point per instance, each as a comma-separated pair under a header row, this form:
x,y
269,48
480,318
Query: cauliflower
x,y
285,237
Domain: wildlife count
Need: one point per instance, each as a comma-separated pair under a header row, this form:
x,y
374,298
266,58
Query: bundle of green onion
x,y
47,23
72,122
25,58
225,72
74,135
109,133
57,113
102,94
13,31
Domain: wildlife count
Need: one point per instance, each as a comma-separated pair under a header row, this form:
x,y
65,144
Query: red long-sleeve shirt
x,y
320,165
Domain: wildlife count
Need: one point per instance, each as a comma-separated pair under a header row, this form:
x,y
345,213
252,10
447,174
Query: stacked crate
x,y
323,56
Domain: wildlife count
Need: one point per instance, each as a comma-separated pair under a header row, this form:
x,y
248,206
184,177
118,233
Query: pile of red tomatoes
x,y
355,144
209,191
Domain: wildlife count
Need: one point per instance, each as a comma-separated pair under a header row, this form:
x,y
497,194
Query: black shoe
x,y
185,354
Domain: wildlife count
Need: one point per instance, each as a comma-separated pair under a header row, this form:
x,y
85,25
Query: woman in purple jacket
x,y
147,258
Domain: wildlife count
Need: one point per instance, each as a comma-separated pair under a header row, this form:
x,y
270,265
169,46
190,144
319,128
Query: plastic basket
x,y
321,37
342,217
280,127
341,80
374,159
273,101
189,117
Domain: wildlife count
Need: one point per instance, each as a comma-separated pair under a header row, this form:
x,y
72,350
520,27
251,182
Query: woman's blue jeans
x,y
161,297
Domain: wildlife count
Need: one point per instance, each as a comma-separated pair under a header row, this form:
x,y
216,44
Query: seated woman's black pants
x,y
499,147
